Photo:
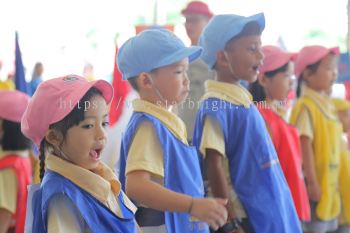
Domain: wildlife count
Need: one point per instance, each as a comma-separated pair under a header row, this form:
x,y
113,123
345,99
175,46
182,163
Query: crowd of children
x,y
252,165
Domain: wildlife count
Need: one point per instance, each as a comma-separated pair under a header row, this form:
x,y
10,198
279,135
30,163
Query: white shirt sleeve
x,y
63,216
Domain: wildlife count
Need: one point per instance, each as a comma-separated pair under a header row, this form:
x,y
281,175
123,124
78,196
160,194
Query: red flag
x,y
121,90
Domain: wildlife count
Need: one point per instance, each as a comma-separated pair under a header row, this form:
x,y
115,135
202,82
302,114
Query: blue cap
x,y
220,30
152,49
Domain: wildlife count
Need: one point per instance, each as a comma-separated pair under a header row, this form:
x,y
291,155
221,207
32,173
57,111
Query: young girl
x,y
270,92
67,117
15,164
343,108
320,134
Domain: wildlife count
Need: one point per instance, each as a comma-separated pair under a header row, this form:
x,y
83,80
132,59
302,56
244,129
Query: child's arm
x,y
212,146
138,228
63,216
141,188
5,220
217,178
8,194
309,168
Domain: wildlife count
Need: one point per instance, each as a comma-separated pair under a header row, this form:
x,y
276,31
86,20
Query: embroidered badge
x,y
69,79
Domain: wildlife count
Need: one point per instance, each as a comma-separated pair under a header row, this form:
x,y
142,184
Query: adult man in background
x,y
197,15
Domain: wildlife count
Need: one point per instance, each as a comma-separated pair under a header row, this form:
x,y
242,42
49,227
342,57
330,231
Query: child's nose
x,y
335,74
260,55
101,133
186,79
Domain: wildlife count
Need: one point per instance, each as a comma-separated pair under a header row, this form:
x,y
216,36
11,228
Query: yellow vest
x,y
7,85
326,147
344,182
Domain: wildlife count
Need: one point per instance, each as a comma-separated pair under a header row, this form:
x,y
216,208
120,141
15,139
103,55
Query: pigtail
x,y
42,159
312,68
257,92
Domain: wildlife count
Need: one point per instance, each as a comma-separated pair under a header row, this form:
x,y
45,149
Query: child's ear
x,y
262,79
221,59
144,81
307,73
54,137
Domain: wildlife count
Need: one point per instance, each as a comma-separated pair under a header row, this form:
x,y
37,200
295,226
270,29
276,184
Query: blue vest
x,y
97,216
254,168
181,171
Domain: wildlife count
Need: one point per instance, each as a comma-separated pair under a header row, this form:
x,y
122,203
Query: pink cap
x,y
12,105
197,7
310,55
274,58
55,99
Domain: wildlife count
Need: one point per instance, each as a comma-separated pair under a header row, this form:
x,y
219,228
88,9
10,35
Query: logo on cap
x,y
69,79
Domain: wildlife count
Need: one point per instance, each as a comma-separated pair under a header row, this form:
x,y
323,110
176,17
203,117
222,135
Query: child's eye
x,y
105,124
331,67
253,49
87,126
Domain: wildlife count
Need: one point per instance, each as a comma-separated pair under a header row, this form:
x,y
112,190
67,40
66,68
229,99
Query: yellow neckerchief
x,y
235,94
98,182
171,121
282,112
278,107
19,153
322,101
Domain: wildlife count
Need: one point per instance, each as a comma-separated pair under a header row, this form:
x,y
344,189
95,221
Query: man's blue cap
x,y
220,30
152,49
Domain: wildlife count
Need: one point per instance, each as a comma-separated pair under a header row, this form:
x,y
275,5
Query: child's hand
x,y
314,191
239,230
210,210
232,215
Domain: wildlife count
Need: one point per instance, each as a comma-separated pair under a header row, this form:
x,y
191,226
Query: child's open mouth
x,y
95,154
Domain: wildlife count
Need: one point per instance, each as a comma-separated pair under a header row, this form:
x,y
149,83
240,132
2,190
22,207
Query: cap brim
x,y
259,18
334,50
192,53
105,88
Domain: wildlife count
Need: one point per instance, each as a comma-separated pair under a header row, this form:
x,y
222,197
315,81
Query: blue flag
x,y
20,81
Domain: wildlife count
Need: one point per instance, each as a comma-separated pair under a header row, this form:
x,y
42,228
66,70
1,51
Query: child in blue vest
x,y
158,169
66,118
231,134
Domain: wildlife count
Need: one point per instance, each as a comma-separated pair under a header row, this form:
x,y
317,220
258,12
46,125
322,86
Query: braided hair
x,y
313,69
